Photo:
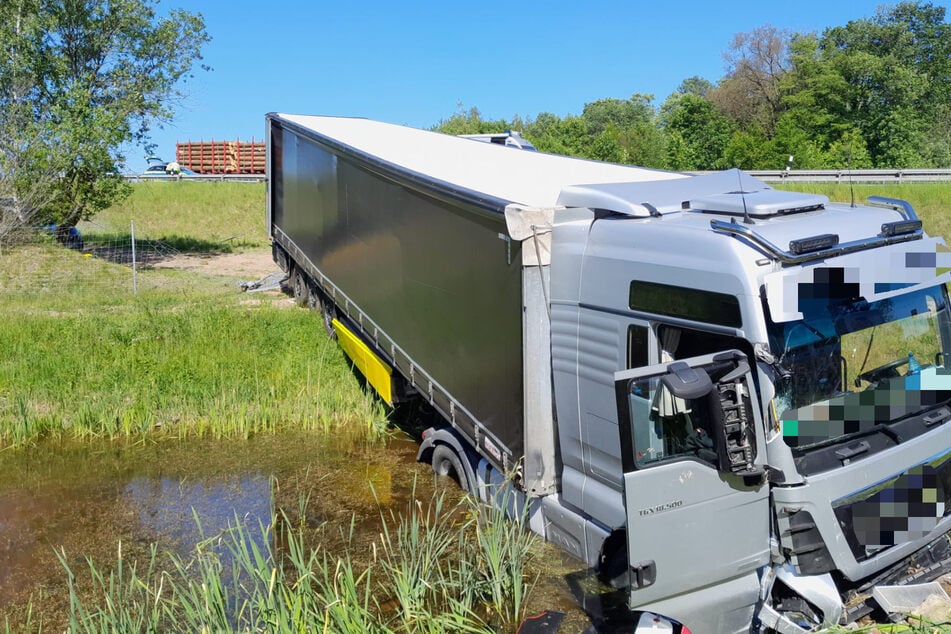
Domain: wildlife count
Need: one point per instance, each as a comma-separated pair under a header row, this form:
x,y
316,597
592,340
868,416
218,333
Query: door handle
x,y
643,574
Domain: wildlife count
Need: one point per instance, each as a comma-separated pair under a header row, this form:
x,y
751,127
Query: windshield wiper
x,y
868,350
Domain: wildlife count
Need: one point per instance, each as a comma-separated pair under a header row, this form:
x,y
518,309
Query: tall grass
x,y
220,370
427,573
187,359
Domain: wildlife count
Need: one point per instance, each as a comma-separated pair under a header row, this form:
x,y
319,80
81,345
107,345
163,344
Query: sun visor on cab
x,y
870,275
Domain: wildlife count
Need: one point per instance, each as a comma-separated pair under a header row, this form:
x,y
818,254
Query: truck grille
x,y
904,508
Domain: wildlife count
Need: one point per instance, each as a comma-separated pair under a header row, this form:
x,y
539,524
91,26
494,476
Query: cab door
x,y
695,492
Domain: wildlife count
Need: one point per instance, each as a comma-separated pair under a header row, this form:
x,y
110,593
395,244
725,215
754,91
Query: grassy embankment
x,y
191,354
190,216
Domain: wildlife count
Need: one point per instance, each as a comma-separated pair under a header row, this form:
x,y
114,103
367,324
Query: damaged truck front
x,y
729,399
833,462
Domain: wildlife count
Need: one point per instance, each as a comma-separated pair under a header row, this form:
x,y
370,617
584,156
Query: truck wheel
x,y
313,299
447,463
301,292
327,315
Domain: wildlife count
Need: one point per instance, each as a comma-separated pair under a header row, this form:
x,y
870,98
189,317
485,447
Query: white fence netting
x,y
39,260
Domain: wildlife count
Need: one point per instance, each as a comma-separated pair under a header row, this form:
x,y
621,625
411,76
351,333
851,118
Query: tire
x,y
446,462
327,314
313,298
300,287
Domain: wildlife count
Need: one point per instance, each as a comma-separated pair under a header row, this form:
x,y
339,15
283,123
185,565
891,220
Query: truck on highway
x,y
732,401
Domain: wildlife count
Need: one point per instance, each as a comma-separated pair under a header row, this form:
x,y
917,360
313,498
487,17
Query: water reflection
x,y
85,499
181,513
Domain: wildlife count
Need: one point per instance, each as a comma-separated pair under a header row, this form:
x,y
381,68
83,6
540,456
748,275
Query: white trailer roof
x,y
530,178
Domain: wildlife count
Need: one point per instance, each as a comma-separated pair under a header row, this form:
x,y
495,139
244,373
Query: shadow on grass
x,y
175,243
118,248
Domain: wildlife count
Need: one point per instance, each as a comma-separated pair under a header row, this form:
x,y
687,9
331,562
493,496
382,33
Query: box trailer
x,y
728,399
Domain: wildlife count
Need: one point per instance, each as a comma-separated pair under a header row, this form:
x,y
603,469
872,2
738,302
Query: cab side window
x,y
668,427
684,343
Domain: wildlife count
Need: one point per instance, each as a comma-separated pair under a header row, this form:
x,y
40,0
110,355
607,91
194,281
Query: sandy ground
x,y
250,265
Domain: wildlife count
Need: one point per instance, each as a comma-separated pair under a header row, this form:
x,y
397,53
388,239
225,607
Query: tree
x,y
80,79
696,85
750,92
849,151
624,131
471,122
748,150
605,146
645,144
622,113
551,133
886,78
698,134
791,139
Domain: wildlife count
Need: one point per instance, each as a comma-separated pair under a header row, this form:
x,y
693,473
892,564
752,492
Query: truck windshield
x,y
842,361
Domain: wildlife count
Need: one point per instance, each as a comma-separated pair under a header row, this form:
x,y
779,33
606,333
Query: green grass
x,y
191,355
218,213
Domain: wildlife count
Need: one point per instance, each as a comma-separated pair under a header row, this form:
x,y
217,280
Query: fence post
x,y
135,287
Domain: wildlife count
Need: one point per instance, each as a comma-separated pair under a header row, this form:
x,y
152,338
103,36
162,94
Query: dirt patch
x,y
250,265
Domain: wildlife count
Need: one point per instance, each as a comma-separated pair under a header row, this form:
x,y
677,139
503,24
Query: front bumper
x,y
926,564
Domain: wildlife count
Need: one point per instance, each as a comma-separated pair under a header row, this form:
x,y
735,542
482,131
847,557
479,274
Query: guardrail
x,y
856,176
239,178
801,176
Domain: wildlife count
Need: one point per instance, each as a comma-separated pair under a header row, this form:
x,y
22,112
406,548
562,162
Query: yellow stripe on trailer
x,y
378,373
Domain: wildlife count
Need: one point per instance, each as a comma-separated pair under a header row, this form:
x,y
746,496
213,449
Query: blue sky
x,y
413,62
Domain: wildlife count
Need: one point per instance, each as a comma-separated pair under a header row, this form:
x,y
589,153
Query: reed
x,y
266,578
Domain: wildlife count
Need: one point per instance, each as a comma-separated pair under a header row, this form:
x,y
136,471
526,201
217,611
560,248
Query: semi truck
x,y
729,400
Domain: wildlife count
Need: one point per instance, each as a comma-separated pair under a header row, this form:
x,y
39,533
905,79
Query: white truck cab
x,y
731,400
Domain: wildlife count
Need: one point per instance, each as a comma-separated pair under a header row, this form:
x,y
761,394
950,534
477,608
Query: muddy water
x,y
84,500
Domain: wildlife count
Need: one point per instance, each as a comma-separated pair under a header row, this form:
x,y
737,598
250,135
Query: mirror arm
x,y
741,369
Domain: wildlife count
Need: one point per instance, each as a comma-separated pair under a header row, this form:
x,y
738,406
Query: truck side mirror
x,y
685,382
726,407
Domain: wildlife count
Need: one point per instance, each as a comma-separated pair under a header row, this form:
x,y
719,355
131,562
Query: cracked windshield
x,y
857,349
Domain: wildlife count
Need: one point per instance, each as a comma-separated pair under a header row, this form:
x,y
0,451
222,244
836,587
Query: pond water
x,y
85,499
